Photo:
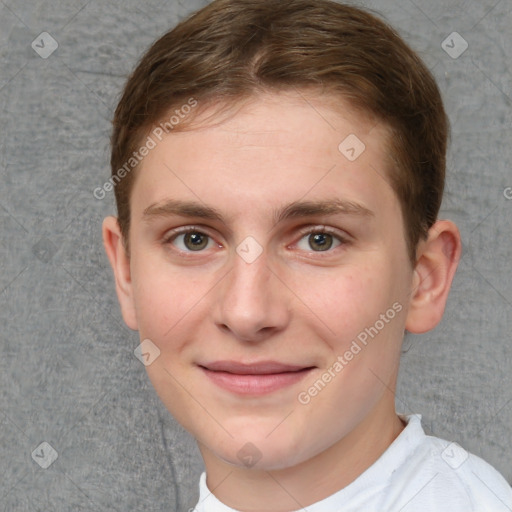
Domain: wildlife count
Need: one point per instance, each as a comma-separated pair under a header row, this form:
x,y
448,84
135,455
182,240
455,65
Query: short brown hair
x,y
233,48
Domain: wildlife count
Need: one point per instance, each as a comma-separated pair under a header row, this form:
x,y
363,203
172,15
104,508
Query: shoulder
x,y
441,475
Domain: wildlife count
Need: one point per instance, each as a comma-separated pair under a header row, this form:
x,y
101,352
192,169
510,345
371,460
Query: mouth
x,y
254,379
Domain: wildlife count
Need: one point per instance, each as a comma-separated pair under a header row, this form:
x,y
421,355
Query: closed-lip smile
x,y
254,378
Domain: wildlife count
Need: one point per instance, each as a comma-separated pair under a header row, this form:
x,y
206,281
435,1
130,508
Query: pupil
x,y
320,241
195,241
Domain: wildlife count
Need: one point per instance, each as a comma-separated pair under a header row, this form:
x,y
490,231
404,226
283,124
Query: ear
x,y
437,260
120,262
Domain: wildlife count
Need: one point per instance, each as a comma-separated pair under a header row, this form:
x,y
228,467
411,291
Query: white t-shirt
x,y
417,473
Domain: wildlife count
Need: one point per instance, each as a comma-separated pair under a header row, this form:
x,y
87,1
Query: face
x,y
269,266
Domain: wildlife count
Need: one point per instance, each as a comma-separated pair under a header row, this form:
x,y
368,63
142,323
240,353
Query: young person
x,y
278,169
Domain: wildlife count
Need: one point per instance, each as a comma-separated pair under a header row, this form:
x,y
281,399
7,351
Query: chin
x,y
258,451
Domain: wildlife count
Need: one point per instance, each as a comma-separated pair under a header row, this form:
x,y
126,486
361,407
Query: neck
x,y
315,479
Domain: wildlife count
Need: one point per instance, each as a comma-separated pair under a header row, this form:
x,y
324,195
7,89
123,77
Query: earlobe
x,y
120,262
437,261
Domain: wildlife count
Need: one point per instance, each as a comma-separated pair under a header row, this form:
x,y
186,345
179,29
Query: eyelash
x,y
343,240
170,237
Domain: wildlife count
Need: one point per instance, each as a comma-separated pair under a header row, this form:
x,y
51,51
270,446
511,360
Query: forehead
x,y
269,148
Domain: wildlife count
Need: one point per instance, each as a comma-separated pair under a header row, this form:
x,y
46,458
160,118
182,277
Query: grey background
x,y
68,375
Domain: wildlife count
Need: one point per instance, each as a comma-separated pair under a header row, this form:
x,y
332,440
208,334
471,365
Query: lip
x,y
256,378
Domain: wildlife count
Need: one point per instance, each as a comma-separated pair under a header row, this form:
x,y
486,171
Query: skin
x,y
294,303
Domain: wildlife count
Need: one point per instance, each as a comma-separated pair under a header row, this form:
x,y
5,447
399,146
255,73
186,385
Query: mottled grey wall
x,y
68,375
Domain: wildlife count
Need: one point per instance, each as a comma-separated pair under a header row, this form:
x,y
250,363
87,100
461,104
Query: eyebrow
x,y
297,209
325,207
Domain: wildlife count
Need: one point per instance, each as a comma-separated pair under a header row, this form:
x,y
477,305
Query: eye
x,y
190,240
319,240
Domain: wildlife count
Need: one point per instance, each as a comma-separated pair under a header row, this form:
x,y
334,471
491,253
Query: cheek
x,y
164,298
359,314
364,314
343,303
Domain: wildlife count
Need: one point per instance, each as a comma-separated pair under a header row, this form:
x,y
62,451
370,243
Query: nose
x,y
252,302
